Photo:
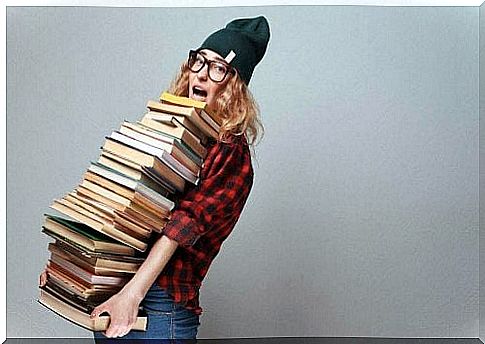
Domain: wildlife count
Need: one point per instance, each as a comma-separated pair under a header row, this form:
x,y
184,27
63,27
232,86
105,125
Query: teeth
x,y
198,91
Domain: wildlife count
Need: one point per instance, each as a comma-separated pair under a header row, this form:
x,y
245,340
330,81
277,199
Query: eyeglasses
x,y
217,70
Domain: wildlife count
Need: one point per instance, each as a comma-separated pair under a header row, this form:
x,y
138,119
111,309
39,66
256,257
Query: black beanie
x,y
242,43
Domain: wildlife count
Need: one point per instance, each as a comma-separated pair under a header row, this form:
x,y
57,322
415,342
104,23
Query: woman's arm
x,y
226,180
123,306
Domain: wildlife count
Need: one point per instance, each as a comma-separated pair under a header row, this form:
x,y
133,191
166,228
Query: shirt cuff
x,y
182,229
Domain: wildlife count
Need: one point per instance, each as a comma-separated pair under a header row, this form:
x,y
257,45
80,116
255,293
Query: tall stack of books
x,y
124,197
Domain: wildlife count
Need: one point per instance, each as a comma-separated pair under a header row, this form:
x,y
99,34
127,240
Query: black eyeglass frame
x,y
194,53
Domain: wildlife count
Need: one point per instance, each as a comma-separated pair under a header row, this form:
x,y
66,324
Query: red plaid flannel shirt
x,y
203,218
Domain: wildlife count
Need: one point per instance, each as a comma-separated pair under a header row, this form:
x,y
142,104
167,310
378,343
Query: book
x,y
197,157
81,318
176,130
140,230
205,111
82,215
134,201
100,210
85,305
115,262
122,199
91,264
129,187
85,291
144,159
132,261
84,236
143,134
161,154
178,121
127,264
144,216
189,112
59,261
133,224
67,275
133,170
184,101
139,221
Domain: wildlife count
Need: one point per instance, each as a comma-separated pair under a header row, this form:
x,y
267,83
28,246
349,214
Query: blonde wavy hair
x,y
235,106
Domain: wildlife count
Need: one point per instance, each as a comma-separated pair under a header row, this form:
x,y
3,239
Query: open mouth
x,y
198,92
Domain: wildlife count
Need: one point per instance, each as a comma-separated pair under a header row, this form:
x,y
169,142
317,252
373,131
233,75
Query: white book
x,y
163,155
132,185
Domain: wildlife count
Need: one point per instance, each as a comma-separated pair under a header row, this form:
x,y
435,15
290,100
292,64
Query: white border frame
x,y
148,3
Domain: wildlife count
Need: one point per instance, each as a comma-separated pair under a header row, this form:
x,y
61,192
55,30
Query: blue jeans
x,y
166,320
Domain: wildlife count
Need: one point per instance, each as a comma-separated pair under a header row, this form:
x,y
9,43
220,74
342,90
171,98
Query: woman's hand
x,y
43,278
123,307
123,310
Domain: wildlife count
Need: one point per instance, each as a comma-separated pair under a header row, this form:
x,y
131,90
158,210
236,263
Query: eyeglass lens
x,y
217,70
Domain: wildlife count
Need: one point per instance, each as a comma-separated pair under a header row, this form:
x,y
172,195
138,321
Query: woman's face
x,y
201,87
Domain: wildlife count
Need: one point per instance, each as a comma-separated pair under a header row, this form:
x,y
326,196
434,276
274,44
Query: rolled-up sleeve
x,y
226,180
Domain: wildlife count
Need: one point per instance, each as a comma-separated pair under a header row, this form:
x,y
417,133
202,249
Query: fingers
x,y
99,310
113,332
118,327
118,330
43,278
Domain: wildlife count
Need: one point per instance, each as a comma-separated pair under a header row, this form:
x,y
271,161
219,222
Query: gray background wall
x,y
363,220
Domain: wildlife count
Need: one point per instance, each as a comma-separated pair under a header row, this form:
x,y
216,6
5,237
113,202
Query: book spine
x,y
208,119
157,143
180,133
163,155
115,177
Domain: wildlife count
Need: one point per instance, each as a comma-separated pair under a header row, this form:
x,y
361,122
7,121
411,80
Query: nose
x,y
202,74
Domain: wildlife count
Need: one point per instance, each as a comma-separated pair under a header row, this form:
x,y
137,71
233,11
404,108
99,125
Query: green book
x,y
84,236
81,228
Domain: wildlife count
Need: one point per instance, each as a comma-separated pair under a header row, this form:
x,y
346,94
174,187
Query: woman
x,y
167,284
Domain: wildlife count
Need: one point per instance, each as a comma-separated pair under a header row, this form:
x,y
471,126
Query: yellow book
x,y
184,101
203,109
189,112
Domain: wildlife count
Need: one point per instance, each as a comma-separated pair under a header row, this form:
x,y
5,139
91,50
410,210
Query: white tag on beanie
x,y
230,56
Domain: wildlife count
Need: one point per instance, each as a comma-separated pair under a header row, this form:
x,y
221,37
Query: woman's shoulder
x,y
231,145
231,155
